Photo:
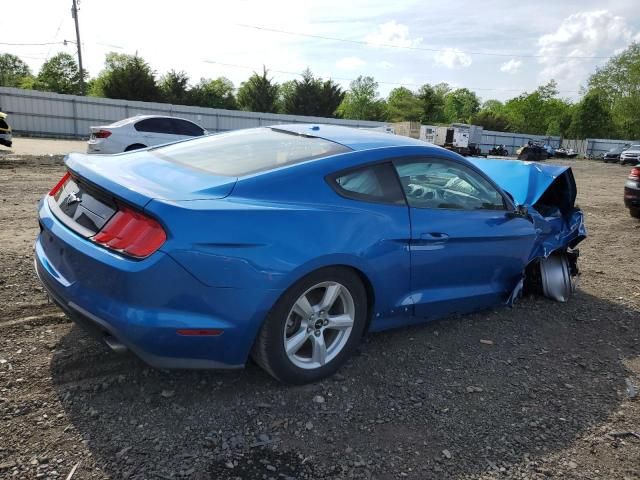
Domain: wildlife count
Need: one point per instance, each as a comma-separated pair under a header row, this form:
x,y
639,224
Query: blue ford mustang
x,y
289,243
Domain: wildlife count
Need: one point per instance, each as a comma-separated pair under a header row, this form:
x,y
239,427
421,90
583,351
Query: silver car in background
x,y
630,155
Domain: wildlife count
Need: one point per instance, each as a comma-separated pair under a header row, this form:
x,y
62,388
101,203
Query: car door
x,y
184,129
156,131
468,250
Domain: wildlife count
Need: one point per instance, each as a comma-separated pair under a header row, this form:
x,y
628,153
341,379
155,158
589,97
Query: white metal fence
x,y
53,114
70,116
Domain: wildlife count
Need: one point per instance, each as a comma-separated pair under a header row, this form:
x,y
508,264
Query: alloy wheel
x,y
318,325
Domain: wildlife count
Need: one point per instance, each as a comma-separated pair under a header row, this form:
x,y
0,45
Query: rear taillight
x,y
132,233
102,134
60,184
635,174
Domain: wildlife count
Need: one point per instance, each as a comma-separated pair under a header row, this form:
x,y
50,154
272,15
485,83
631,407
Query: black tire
x,y
634,212
135,146
269,351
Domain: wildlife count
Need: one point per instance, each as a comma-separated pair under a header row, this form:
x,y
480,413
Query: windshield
x,y
243,152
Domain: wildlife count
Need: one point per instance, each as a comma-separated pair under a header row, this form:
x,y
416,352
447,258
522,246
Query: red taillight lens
x,y
102,134
132,233
635,174
60,184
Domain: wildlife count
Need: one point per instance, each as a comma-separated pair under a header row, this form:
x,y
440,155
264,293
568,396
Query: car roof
x,y
354,138
137,118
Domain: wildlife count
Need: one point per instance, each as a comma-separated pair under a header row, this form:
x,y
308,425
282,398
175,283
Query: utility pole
x,y
74,14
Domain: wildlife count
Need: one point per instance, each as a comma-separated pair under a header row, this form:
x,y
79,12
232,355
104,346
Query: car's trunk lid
x,y
139,177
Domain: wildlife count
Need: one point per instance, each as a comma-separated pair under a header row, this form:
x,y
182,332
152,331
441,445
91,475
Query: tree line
x,y
607,108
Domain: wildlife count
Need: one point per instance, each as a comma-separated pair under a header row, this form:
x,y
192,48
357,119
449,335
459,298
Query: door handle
x,y
434,237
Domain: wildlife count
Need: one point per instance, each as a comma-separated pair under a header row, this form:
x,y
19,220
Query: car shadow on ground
x,y
455,397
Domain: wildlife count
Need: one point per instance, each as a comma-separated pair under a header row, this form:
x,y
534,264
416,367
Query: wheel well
x,y
368,287
370,293
135,146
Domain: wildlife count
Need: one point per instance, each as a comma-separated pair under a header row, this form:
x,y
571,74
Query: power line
x,y
409,47
29,44
404,84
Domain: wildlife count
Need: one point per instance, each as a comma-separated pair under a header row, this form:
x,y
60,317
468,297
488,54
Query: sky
x,y
496,48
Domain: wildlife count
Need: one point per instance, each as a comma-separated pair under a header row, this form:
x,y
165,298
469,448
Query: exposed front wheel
x,y
314,327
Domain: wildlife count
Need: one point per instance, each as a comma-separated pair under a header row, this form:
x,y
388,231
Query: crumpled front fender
x,y
555,233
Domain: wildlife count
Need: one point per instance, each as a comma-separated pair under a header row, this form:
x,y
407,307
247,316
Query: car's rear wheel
x,y
634,212
314,327
135,146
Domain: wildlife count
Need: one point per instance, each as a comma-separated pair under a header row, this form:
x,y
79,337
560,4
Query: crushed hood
x,y
526,181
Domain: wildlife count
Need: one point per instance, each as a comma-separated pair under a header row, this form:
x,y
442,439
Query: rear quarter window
x,y
373,183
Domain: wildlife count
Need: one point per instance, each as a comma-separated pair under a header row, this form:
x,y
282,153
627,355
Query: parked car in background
x,y
140,132
288,243
565,153
632,192
499,151
613,155
630,155
5,131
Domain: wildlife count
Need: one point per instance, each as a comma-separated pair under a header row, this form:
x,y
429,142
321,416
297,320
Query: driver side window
x,y
435,183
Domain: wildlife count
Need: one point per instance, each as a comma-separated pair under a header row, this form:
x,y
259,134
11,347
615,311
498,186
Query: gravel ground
x,y
43,146
543,390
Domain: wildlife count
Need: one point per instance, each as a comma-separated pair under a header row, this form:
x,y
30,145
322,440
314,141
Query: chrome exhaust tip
x,y
113,343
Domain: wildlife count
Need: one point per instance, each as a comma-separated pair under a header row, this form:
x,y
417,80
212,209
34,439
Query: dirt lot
x,y
43,146
551,397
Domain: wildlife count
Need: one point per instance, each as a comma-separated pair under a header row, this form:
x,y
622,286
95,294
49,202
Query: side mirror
x,y
521,211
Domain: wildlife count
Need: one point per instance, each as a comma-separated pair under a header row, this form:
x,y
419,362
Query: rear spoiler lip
x,y
134,193
101,182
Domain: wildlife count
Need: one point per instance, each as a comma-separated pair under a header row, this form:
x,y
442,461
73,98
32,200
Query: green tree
x,y
618,83
592,117
460,105
432,100
213,93
404,105
126,77
490,120
174,86
258,94
540,112
331,96
60,74
311,96
13,71
362,101
492,105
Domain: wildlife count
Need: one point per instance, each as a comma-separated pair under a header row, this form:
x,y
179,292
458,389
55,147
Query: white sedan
x,y
140,132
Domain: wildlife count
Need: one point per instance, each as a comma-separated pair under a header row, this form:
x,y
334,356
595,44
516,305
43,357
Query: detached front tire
x,y
314,327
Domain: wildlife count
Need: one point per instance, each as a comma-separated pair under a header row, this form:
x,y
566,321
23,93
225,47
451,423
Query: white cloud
x,y
511,67
350,63
453,58
392,33
583,34
384,65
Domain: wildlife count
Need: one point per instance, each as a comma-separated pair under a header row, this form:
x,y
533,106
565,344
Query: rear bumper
x,y
6,139
142,304
632,194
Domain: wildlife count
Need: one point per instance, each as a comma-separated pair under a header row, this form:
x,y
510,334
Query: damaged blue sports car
x,y
288,243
